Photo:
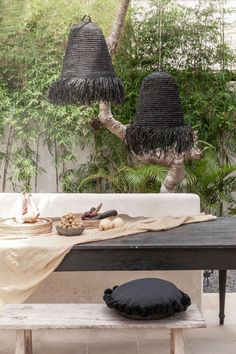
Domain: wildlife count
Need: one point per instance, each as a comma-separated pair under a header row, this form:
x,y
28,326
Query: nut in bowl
x,y
70,226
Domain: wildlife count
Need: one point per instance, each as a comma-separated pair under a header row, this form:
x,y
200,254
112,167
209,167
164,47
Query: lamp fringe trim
x,y
86,91
147,140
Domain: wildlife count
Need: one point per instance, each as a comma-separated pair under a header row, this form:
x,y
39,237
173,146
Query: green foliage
x,y
123,179
209,106
24,166
187,42
214,182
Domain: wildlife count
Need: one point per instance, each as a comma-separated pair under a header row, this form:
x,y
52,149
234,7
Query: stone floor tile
x,y
111,346
212,347
112,341
61,342
56,348
7,342
210,333
112,335
210,308
151,346
152,334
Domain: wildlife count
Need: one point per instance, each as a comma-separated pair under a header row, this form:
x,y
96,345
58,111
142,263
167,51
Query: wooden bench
x,y
24,318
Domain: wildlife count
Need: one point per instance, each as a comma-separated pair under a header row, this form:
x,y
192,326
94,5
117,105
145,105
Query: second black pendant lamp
x,y
159,123
87,74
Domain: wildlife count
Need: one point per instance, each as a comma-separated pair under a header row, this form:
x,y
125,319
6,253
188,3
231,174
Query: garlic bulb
x,y
118,222
105,224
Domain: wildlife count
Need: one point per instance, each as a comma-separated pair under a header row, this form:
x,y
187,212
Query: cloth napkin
x,y
25,261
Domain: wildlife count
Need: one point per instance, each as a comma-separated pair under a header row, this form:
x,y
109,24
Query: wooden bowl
x,y
9,226
70,232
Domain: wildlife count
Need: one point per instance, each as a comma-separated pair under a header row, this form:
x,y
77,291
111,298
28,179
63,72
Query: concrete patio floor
x,y
214,339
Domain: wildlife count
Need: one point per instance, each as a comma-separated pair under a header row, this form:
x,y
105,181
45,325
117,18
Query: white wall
x,y
46,181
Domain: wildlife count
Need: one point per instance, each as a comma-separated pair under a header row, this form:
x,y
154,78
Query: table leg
x,y
222,288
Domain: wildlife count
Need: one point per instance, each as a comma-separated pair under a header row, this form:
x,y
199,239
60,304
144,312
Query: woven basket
x,y
91,224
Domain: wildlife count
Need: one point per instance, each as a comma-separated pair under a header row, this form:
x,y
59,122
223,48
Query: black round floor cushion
x,y
148,298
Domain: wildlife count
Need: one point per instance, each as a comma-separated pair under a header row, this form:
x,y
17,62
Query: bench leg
x,y
23,342
177,341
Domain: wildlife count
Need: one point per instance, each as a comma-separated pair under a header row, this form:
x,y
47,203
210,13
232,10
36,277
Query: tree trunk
x,y
37,162
7,158
56,166
174,176
113,39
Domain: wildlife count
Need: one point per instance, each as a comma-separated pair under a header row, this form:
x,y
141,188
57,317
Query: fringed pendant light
x,y
159,123
87,74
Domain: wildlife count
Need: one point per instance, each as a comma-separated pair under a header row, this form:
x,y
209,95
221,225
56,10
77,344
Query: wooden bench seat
x,y
23,318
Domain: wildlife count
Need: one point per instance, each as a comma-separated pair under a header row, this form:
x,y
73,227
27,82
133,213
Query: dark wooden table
x,y
208,245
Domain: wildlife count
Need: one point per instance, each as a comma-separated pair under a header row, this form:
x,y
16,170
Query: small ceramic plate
x,y
70,232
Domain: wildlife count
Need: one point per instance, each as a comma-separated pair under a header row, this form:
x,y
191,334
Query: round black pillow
x,y
148,298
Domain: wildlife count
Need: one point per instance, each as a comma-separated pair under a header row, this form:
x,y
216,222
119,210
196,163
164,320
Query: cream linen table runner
x,y
25,261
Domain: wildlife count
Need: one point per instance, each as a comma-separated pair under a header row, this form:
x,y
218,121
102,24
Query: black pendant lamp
x,y
159,123
87,74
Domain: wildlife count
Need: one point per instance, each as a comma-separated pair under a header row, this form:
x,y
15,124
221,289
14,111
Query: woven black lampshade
x,y
87,74
159,122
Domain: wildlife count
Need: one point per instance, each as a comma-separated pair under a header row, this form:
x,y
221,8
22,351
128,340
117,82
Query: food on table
x,y
106,214
117,222
69,221
107,224
93,212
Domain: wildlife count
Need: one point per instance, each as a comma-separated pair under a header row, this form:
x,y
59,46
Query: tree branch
x,y
105,116
113,39
107,120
